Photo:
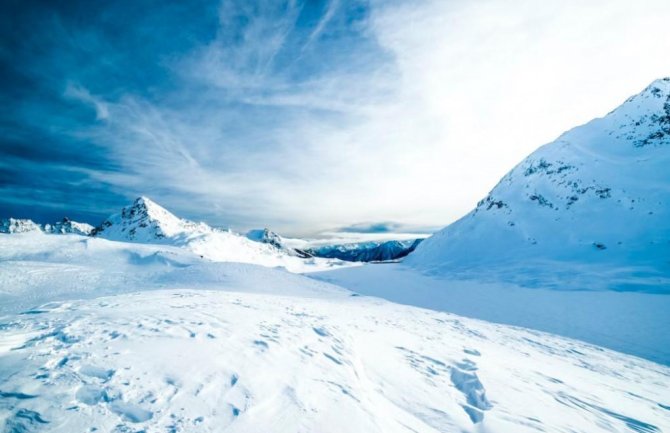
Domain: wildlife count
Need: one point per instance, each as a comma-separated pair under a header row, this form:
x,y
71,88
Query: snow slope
x,y
210,347
147,222
598,197
626,321
37,268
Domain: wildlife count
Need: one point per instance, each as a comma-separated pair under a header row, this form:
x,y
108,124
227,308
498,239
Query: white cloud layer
x,y
460,92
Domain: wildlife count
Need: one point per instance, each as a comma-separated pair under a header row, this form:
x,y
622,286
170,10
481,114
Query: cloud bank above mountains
x,y
302,116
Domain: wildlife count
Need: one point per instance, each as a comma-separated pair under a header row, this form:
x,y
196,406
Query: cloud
x,y
380,227
304,116
81,94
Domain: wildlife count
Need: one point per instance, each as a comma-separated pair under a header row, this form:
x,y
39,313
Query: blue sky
x,y
302,116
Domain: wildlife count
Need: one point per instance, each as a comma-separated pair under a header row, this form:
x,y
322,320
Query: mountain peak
x,y
147,221
659,85
12,225
145,207
643,120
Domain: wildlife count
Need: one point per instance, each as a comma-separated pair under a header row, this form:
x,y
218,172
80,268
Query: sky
x,y
302,116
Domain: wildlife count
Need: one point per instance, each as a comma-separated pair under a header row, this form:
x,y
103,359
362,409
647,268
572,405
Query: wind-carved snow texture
x,y
212,361
596,198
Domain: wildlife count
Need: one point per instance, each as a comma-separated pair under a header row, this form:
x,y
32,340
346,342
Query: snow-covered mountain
x,y
598,197
145,221
267,236
64,226
370,251
124,337
13,225
364,251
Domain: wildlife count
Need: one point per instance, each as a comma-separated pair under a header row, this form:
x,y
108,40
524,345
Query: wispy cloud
x,y
81,94
305,116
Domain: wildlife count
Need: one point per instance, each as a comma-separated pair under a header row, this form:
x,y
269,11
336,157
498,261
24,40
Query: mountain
x,y
371,251
594,202
112,336
145,221
267,236
66,225
12,225
362,251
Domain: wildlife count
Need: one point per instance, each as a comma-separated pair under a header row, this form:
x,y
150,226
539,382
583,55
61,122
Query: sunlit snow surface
x,y
181,344
630,322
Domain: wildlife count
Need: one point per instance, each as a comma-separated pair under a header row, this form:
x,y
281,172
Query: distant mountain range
x,y
597,197
12,225
145,221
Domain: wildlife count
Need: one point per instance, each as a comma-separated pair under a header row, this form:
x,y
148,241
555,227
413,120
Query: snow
x,y
147,222
119,336
36,268
598,195
159,324
574,240
629,322
13,225
69,226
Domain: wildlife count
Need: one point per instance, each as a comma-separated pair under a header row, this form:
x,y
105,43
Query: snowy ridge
x,y
211,347
596,195
65,226
267,236
147,222
68,226
13,225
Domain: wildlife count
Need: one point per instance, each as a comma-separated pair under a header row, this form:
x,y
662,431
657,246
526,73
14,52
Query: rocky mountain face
x,y
598,194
